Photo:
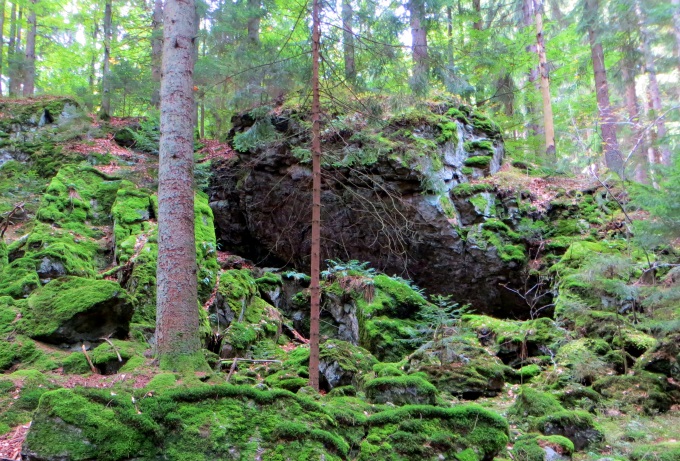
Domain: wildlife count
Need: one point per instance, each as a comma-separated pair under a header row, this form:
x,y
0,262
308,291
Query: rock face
x,y
397,197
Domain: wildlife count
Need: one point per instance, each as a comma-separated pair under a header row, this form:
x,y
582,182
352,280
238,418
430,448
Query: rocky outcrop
x,y
398,197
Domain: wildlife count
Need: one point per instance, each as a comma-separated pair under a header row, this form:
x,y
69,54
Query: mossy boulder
x,y
577,426
531,402
343,364
641,390
75,309
534,447
401,390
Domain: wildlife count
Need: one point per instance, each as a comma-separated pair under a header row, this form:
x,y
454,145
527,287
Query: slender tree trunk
x,y
421,60
633,109
533,128
676,29
2,39
11,65
29,75
254,7
654,93
105,111
548,123
348,42
556,12
156,50
93,61
477,7
449,37
612,153
315,288
177,321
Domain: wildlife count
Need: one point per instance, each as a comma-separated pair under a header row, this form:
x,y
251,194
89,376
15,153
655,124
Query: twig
x,y
120,359
250,360
94,370
7,220
231,370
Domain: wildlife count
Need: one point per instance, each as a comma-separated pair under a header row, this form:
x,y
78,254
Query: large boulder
x,y
74,309
398,197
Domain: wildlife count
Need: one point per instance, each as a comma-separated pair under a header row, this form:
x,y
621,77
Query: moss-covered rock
x,y
640,390
577,426
401,390
342,364
533,447
531,402
74,309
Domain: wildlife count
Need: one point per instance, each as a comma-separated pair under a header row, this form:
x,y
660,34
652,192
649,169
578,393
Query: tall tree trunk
x,y
533,127
556,12
479,22
315,289
105,111
13,58
421,60
92,78
29,74
654,93
156,50
254,18
348,42
177,321
633,109
676,29
2,38
612,153
548,123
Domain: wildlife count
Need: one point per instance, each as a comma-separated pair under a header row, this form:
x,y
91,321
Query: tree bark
x,y
654,93
12,63
676,29
93,61
612,153
2,38
533,127
315,270
348,42
477,7
254,19
29,75
548,123
421,60
633,109
178,345
105,110
156,50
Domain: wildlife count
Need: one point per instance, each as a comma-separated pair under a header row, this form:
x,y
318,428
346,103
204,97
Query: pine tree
x,y
177,322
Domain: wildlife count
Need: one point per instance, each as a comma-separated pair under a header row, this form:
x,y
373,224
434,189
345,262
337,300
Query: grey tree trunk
x,y
29,74
156,50
612,153
177,321
548,124
654,93
348,42
421,59
2,39
633,108
254,19
533,127
676,29
93,62
105,110
13,61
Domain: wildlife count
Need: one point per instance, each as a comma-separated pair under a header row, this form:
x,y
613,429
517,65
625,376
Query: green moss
x,y
531,402
19,350
483,161
467,189
400,390
528,372
530,447
449,132
62,299
578,426
479,145
485,124
642,389
668,451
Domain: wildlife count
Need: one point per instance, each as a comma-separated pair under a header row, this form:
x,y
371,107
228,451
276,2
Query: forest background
x,y
610,72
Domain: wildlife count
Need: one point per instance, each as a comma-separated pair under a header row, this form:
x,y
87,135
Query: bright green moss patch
x,y
482,161
530,447
668,451
479,145
531,402
466,189
401,390
61,309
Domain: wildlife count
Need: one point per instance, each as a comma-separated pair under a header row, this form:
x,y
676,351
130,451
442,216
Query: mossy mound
x,y
401,390
641,390
74,309
533,447
577,426
669,451
20,393
531,402
343,364
226,422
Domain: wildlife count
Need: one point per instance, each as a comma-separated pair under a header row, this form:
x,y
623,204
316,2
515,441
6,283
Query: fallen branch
x,y
250,360
92,367
7,220
115,349
231,370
